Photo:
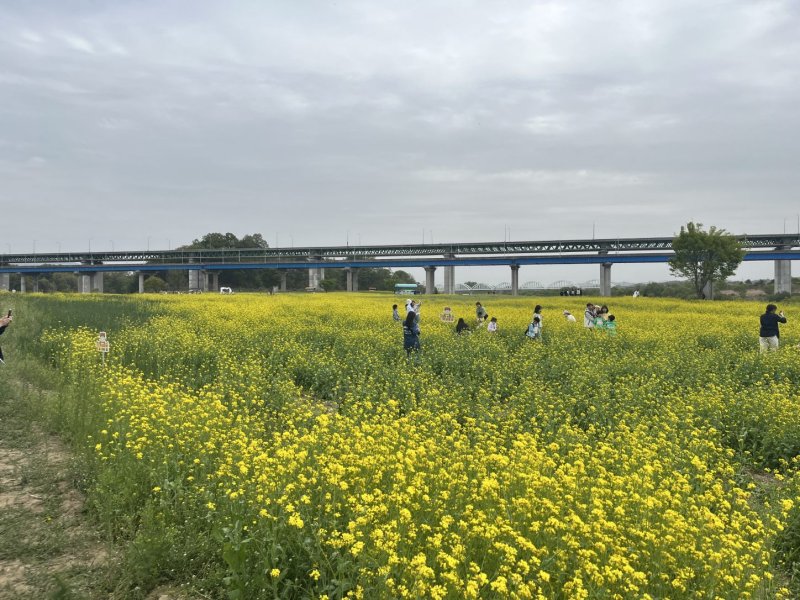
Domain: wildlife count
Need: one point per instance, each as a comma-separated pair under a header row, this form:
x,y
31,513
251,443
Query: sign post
x,y
102,345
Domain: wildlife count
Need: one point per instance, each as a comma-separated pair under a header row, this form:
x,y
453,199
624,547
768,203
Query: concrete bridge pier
x,y
141,282
605,279
283,280
430,279
314,278
97,282
449,277
5,281
352,279
194,279
315,274
204,277
214,275
514,280
783,276
84,283
22,283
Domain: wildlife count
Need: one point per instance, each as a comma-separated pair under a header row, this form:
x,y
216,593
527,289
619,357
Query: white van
x,y
225,290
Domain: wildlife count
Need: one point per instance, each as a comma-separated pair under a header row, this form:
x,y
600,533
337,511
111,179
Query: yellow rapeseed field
x,y
289,446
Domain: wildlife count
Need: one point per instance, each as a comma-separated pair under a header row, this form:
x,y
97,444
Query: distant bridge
x,y
204,266
464,288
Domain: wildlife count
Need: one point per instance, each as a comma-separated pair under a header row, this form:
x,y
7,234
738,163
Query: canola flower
x,y
325,464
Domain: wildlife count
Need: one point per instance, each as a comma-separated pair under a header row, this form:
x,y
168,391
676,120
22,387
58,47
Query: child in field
x,y
492,326
395,313
611,325
534,331
461,326
569,316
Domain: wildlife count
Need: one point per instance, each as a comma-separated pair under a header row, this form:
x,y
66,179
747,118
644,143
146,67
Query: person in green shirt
x,y
611,325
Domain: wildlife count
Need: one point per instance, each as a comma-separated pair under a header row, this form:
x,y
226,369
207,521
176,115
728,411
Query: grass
x,y
48,548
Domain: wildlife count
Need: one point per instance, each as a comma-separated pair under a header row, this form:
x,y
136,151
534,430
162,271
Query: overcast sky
x,y
131,123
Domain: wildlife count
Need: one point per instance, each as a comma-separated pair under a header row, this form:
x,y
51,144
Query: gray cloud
x,y
312,120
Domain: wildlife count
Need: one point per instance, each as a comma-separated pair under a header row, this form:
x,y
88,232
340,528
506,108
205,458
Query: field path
x,y
48,547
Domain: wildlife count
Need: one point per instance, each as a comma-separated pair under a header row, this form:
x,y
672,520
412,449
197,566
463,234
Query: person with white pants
x,y
769,335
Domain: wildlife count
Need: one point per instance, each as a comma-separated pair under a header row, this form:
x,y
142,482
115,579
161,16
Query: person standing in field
x,y
769,335
4,322
611,325
411,333
480,312
589,315
600,317
395,313
537,312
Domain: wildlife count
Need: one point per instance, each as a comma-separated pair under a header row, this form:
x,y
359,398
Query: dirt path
x,y
48,547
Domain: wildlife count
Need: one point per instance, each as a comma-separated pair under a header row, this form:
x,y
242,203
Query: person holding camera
x,y
769,335
4,322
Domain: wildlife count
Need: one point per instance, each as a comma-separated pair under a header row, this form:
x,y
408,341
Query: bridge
x,y
204,266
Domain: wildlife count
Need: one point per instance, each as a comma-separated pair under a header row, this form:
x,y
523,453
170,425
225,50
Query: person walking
x,y
411,333
769,335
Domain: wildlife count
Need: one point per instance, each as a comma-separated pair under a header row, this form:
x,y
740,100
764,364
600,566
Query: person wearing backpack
x,y
534,331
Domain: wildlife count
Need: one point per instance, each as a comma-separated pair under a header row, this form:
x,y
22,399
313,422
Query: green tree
x,y
154,284
704,257
330,284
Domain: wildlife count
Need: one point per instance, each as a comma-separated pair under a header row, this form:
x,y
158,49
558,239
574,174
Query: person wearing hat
x,y
569,317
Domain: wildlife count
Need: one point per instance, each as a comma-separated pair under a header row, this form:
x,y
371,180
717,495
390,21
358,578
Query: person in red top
x,y
769,334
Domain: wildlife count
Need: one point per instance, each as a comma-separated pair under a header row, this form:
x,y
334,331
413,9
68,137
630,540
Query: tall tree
x,y
704,257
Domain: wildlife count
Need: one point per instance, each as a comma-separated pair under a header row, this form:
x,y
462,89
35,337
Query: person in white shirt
x,y
492,326
569,316
589,315
537,312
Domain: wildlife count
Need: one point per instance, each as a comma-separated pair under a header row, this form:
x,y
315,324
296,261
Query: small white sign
x,y
102,343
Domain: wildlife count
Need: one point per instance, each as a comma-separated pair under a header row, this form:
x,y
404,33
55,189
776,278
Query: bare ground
x,y
48,546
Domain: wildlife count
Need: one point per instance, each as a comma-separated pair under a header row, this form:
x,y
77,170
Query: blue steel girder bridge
x,y
204,266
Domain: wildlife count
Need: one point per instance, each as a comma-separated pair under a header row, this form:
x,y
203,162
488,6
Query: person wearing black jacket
x,y
411,333
769,334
